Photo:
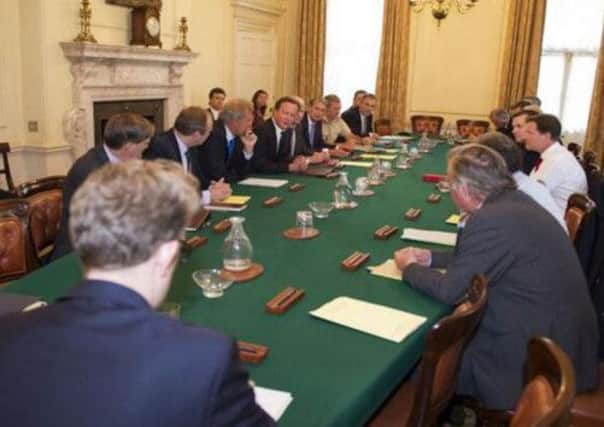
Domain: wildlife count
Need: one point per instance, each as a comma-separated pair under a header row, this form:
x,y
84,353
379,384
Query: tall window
x,y
352,46
571,43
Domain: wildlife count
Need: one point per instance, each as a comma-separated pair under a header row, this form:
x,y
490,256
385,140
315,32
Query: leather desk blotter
x,y
272,202
284,300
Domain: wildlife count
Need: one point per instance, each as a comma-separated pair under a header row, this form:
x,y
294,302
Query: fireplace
x,y
151,109
109,79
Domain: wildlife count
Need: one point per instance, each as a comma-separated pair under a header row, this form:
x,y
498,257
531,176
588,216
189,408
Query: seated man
x,y
557,168
356,99
229,149
216,99
182,144
101,355
512,156
273,151
125,137
299,143
312,125
260,102
360,119
334,128
501,119
529,157
536,285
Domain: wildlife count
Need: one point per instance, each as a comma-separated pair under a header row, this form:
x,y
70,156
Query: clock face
x,y
152,26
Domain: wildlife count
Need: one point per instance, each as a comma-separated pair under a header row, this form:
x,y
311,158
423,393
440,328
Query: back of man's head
x,y
506,148
126,127
123,212
191,120
235,109
481,169
500,117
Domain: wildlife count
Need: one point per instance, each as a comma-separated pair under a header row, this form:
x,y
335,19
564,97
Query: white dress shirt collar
x,y
112,157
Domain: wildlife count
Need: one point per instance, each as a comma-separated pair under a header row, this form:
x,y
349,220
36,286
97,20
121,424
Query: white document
x,y
374,319
355,163
387,269
430,236
264,182
225,208
274,402
379,156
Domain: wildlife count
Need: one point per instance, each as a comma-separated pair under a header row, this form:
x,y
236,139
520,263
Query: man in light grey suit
x,y
536,286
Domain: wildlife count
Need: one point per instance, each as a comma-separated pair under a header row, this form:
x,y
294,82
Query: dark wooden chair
x,y
15,248
577,210
428,124
45,198
550,387
471,128
383,127
479,127
420,404
588,408
4,150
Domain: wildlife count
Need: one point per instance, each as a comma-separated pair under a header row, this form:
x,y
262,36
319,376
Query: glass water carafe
x,y
424,143
237,248
375,172
342,194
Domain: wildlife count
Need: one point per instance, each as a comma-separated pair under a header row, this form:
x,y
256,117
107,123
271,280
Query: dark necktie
x,y
311,134
230,147
279,140
189,158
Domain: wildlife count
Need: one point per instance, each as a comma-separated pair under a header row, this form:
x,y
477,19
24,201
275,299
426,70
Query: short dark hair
x,y
359,92
547,123
126,127
526,113
216,91
191,120
332,98
504,145
286,100
368,96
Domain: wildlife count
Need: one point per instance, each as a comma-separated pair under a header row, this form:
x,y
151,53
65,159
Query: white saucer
x,y
363,193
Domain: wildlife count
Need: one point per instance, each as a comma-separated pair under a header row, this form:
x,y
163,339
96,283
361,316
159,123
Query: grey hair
x,y
235,109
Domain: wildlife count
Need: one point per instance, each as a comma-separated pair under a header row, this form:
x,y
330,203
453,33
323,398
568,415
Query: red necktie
x,y
538,163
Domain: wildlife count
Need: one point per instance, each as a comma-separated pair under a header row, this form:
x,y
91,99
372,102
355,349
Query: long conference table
x,y
337,376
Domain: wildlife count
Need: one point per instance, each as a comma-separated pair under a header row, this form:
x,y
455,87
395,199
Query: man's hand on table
x,y
405,257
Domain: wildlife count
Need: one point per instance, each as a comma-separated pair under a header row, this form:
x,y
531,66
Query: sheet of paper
x,y
379,156
391,150
374,319
274,402
453,219
387,269
264,182
236,200
363,148
430,236
225,208
358,164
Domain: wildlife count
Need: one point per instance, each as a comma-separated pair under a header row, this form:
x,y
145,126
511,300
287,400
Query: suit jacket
x,y
536,288
352,117
165,146
93,159
318,143
215,160
266,157
102,357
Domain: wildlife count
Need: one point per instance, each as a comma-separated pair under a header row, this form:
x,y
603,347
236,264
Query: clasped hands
x,y
410,255
219,190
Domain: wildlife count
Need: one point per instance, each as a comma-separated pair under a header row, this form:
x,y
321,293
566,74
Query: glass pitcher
x,y
342,194
237,248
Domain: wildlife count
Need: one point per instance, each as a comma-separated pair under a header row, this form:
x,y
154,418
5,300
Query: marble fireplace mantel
x,y
116,73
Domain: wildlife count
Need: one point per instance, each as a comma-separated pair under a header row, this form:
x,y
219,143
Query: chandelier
x,y
440,8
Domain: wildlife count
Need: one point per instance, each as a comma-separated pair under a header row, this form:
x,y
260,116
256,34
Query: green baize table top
x,y
337,376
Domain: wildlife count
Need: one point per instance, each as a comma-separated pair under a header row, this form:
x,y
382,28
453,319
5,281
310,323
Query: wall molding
x,y
269,7
30,148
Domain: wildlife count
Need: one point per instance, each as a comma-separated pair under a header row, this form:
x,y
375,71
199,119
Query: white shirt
x,y
215,113
363,124
112,158
561,173
539,193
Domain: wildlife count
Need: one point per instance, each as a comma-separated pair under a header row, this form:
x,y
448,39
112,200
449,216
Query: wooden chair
x,y
429,124
4,150
550,387
45,198
588,408
420,404
577,210
15,248
479,127
383,127
471,128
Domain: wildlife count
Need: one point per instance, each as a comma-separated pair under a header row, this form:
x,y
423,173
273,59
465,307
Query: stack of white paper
x,y
356,163
430,236
264,182
387,269
381,321
274,402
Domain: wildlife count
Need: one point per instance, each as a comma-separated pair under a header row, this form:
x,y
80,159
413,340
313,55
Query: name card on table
x,y
374,319
430,236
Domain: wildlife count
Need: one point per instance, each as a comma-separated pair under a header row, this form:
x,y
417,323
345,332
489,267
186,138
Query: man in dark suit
x,y
356,99
229,150
502,120
216,99
360,119
536,285
272,153
182,144
102,356
312,128
125,136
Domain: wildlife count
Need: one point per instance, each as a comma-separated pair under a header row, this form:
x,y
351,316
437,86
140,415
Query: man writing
x,y
536,284
103,356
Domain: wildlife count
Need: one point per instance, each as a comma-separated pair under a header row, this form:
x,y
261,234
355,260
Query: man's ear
x,y
166,257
